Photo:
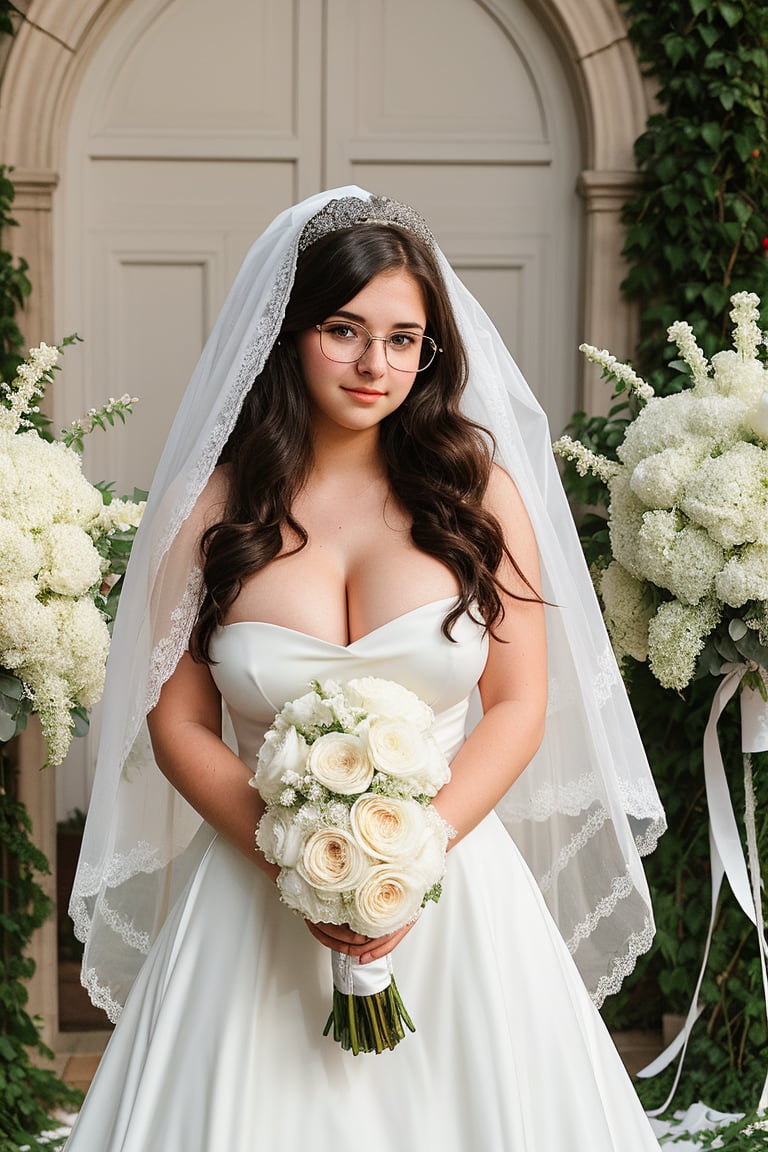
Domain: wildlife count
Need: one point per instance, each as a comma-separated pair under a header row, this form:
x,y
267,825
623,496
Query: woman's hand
x,y
342,939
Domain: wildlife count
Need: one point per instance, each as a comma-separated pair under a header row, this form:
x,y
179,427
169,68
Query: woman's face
x,y
358,395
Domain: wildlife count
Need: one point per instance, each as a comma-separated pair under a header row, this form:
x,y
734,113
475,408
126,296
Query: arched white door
x,y
190,130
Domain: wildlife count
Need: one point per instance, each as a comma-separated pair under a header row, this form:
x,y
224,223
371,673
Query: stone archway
x,y
48,58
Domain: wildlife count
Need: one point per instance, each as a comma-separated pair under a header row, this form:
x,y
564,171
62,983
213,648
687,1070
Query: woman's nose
x,y
373,361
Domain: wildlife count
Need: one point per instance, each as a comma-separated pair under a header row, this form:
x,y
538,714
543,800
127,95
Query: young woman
x,y
327,506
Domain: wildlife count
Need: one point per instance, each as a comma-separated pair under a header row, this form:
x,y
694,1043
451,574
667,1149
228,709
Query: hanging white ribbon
x,y
726,853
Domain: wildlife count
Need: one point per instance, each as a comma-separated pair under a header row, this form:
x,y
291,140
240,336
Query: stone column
x,y
609,320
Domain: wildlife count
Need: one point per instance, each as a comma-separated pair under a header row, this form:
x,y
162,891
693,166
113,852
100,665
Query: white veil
x,y
581,812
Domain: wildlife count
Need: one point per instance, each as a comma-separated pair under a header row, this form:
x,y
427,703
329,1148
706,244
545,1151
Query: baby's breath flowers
x,y
688,509
63,543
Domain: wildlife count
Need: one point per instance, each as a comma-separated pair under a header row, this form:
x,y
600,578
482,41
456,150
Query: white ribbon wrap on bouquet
x,y
726,853
352,978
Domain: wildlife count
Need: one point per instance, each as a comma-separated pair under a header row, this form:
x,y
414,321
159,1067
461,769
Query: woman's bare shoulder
x,y
503,498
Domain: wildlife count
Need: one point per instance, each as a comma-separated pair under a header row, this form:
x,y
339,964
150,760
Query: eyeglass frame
x,y
356,324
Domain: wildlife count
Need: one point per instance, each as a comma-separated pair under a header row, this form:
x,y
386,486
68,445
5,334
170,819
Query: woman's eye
x,y
343,331
402,340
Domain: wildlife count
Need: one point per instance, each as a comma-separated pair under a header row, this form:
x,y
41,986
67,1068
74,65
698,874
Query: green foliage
x,y
695,230
27,1093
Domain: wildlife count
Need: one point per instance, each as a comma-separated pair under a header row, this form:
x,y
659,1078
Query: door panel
x,y
189,132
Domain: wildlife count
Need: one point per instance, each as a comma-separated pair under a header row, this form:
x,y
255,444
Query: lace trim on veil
x,y
637,944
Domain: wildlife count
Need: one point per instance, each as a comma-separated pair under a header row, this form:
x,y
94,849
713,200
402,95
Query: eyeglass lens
x,y
347,342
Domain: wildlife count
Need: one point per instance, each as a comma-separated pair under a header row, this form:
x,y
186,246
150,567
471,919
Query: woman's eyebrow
x,y
361,320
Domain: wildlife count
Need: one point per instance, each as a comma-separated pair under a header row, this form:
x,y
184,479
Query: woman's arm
x,y
185,727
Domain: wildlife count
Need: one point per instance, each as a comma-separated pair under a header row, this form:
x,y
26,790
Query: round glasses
x,y
345,342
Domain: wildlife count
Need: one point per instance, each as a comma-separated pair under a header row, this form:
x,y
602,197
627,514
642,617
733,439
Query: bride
x,y
330,505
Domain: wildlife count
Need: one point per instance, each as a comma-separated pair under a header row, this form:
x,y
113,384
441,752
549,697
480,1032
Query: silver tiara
x,y
352,210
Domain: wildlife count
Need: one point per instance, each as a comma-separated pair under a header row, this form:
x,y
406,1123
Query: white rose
x,y
280,754
320,908
430,861
331,861
388,898
389,699
387,828
401,751
341,763
279,837
307,711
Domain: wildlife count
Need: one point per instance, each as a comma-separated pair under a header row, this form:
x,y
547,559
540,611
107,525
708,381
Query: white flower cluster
x,y
53,637
347,773
688,513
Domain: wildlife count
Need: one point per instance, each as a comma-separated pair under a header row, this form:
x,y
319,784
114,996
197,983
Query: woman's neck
x,y
349,456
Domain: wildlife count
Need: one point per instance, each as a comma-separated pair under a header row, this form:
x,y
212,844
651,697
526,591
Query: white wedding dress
x,y
220,1047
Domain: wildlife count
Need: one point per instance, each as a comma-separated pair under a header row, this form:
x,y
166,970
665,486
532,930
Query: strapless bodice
x,y
259,666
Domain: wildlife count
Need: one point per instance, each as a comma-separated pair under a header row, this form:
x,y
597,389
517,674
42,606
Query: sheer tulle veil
x,y
582,812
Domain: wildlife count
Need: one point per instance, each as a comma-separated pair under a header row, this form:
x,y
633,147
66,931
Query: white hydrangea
x,y
20,553
688,507
676,636
659,480
71,563
45,480
627,611
671,422
739,379
728,495
744,577
680,557
625,520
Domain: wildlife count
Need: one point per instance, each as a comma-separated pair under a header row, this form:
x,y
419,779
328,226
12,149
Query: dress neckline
x,y
331,643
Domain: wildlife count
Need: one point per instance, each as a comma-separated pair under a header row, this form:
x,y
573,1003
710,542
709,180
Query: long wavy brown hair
x,y
438,461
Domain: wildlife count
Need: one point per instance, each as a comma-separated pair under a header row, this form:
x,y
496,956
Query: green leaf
x,y
7,727
731,13
708,32
10,685
712,134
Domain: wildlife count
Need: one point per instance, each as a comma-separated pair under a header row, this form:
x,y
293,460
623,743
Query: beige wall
x,y
44,71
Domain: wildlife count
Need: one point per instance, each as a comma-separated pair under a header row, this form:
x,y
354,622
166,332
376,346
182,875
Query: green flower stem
x,y
368,1023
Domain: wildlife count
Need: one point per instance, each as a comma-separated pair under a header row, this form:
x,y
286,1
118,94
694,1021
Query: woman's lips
x,y
367,395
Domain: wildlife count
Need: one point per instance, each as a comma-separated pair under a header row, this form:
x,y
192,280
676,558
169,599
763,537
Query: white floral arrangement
x,y
687,586
347,773
63,543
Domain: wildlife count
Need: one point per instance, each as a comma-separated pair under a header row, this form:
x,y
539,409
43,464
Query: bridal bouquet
x,y
687,587
347,773
63,547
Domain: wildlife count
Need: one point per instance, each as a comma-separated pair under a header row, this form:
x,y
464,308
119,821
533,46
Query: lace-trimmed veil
x,y
581,812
